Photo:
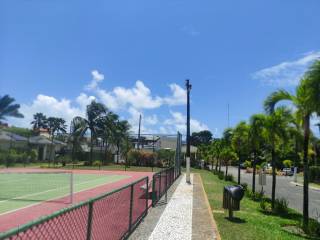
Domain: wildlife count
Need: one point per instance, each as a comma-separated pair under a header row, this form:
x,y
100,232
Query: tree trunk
x,y
220,165
217,163
306,172
91,147
274,179
118,151
254,165
226,174
239,168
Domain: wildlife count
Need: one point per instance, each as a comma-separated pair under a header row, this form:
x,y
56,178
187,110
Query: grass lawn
x,y
252,223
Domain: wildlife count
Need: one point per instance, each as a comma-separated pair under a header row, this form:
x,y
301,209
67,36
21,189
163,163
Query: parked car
x,y
242,166
287,171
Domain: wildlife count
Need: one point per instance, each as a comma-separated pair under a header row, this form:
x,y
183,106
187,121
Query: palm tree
x,y
227,155
216,150
276,133
257,124
76,133
95,111
120,135
106,127
240,142
40,121
55,125
306,100
8,109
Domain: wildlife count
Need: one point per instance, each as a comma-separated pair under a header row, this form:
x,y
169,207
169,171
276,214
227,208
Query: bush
x,y
313,228
287,163
255,196
220,175
33,155
281,206
265,205
97,163
314,174
229,177
247,164
245,186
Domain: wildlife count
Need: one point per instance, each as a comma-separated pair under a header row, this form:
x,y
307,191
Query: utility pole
x,y
188,87
139,131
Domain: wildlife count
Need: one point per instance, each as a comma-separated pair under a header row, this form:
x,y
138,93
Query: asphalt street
x,y
284,188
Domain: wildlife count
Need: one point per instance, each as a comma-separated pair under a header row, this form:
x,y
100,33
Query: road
x,y
285,189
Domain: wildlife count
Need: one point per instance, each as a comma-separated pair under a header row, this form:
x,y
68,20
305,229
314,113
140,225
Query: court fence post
x,y
89,226
154,190
131,207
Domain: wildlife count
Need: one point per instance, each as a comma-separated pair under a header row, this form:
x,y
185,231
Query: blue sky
x,y
134,56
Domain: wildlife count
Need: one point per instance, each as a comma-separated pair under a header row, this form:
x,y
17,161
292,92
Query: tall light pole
x,y
188,87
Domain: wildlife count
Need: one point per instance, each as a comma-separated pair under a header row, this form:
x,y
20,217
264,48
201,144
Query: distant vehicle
x,y
242,166
287,171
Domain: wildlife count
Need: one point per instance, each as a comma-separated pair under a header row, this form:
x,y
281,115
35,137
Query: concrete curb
x,y
213,222
301,185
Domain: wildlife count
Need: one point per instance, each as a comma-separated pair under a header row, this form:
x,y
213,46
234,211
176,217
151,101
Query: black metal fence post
x,y
89,226
131,206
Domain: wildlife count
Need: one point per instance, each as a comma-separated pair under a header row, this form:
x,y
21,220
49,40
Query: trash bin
x,y
232,195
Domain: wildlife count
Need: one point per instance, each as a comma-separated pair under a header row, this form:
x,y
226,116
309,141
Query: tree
x,y
202,137
120,135
276,125
55,125
39,121
94,112
306,100
240,142
216,146
257,124
227,155
77,127
8,109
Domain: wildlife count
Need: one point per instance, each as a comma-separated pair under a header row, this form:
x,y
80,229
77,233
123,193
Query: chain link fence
x,y
110,216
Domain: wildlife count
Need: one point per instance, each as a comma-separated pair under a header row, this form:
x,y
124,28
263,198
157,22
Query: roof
x,y
8,136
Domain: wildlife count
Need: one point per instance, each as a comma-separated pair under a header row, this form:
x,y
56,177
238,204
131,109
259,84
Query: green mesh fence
x,y
110,216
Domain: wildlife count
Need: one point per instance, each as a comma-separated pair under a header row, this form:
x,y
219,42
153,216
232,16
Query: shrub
x,y
33,155
247,164
220,175
314,174
245,186
281,206
314,228
287,163
255,196
97,163
229,177
265,205
258,167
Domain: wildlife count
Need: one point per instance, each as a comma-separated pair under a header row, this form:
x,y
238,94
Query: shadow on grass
x,y
290,215
236,220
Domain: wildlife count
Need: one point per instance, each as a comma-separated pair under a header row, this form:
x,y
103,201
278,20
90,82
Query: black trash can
x,y
232,195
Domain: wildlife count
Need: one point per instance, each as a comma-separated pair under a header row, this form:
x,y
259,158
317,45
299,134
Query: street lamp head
x,y
188,85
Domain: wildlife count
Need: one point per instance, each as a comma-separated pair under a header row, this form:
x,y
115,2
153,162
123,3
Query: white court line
x,y
39,193
85,189
175,222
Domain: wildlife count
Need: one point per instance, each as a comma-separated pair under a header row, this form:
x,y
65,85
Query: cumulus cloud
x,y
177,122
50,106
83,100
287,73
178,97
96,78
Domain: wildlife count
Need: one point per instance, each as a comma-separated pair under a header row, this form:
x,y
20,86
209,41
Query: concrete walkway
x,y
186,215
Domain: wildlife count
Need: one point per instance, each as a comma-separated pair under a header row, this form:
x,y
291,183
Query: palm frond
x,y
274,98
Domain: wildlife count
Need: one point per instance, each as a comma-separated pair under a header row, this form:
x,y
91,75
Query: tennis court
x,y
29,194
22,189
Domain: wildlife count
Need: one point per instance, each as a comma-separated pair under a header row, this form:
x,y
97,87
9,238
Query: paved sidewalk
x,y
187,215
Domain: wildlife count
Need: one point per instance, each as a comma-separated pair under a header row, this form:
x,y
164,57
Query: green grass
x,y
252,223
18,190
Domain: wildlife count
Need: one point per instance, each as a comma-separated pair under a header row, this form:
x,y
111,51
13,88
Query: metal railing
x,y
113,215
162,181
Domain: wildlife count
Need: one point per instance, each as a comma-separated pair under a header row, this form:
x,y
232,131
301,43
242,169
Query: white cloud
x,y
49,106
179,95
151,120
83,100
96,78
177,122
286,73
139,96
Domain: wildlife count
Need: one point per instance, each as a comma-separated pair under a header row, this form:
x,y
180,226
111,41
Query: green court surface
x,y
19,190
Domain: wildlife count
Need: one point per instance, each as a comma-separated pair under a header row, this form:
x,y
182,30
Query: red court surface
x,y
22,216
